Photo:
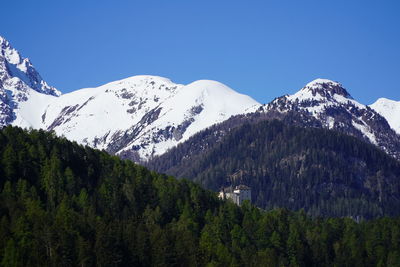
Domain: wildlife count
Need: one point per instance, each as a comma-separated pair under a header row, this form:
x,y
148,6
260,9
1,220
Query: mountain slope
x,y
333,107
142,116
23,92
322,171
137,117
390,110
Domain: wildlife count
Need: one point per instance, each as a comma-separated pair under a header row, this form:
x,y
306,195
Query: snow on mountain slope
x,y
137,117
329,104
23,92
88,113
29,113
142,116
13,66
390,110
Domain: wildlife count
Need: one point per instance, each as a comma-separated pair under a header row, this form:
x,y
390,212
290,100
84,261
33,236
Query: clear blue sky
x,y
261,48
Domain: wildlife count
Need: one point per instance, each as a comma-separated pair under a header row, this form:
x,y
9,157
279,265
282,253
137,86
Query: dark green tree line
x,y
326,173
62,204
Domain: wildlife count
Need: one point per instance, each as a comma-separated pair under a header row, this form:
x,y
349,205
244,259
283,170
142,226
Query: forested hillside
x,y
62,204
325,172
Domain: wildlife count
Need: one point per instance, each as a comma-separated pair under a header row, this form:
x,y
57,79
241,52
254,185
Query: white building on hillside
x,y
238,194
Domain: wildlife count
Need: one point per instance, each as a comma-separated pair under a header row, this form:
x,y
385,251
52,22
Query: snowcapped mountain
x,y
390,110
137,117
142,116
327,104
22,89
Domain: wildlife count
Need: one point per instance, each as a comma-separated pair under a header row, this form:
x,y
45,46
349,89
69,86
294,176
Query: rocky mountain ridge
x,y
19,80
137,117
333,108
144,116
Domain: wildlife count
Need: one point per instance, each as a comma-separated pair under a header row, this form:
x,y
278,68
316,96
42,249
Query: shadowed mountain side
x,y
322,171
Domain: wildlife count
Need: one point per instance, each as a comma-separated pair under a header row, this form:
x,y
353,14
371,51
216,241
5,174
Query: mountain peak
x,y
147,78
326,88
321,90
319,81
386,101
3,41
325,103
13,65
389,109
22,89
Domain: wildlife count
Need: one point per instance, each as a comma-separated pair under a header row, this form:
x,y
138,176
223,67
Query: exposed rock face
x,y
137,117
18,81
142,116
19,71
